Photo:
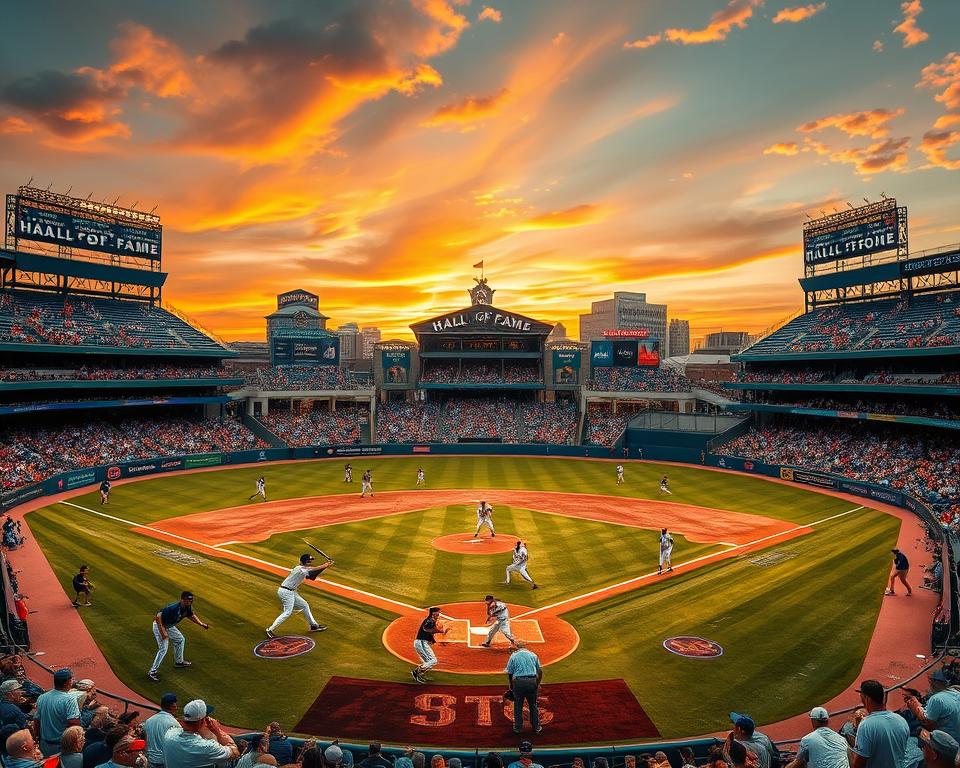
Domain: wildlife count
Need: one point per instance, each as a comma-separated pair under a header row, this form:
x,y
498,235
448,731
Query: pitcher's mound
x,y
484,544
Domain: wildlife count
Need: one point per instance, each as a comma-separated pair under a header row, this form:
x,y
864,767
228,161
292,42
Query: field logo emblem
x,y
284,647
693,647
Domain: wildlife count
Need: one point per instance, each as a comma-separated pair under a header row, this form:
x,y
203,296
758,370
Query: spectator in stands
x,y
492,760
186,748
526,757
98,752
279,745
56,711
22,751
102,722
454,762
942,709
332,756
127,751
156,726
737,756
882,735
745,731
939,749
257,746
10,711
405,762
438,761
822,747
71,747
687,758
600,762
375,758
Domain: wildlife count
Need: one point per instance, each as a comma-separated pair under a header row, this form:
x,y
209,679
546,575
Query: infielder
x,y
366,483
165,629
666,551
423,645
519,564
289,597
261,489
619,474
348,474
421,477
105,492
663,486
484,518
498,618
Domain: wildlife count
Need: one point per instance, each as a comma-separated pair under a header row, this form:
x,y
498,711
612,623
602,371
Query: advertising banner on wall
x,y
290,350
396,365
869,229
648,353
73,230
601,354
566,366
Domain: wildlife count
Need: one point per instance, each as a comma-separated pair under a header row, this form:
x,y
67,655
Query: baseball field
x,y
766,572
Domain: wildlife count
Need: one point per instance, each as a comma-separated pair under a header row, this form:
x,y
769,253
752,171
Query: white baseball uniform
x,y
519,564
664,488
366,484
348,474
619,474
290,598
484,518
666,550
261,489
420,477
501,615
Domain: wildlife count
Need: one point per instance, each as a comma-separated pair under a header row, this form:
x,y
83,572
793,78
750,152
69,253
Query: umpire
x,y
524,675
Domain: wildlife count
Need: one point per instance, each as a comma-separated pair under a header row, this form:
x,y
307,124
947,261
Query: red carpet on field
x,y
472,715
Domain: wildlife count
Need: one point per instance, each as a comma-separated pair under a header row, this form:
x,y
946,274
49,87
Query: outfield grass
x,y
794,633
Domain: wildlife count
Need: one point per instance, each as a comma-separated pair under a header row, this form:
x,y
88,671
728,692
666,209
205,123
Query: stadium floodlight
x,y
850,206
866,201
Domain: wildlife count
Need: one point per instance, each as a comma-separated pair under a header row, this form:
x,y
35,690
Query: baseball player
x,y
423,645
498,619
664,488
421,478
105,492
484,518
619,474
366,483
666,551
289,597
82,586
165,629
261,489
519,564
348,474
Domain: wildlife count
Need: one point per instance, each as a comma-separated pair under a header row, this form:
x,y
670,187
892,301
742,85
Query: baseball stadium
x,y
676,547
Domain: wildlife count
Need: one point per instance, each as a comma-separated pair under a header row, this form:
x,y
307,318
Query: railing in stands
x,y
166,305
773,328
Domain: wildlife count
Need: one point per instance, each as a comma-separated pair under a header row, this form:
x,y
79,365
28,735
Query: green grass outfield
x,y
791,639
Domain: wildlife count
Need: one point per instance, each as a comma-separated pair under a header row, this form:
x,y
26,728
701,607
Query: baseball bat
x,y
318,550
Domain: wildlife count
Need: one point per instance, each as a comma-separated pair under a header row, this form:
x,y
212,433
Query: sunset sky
x,y
372,152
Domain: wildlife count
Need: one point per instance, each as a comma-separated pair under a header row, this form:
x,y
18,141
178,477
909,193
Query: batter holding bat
x,y
289,596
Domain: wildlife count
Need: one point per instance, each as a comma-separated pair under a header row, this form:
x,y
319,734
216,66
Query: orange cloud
x,y
445,32
878,46
736,14
467,111
12,124
935,145
782,148
912,34
644,42
943,75
872,123
800,13
560,38
577,216
490,14
886,155
150,62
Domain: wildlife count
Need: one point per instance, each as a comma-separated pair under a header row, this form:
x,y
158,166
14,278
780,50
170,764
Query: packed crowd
x,y
92,373
940,410
812,376
318,426
399,422
716,387
805,376
475,372
548,423
603,426
30,455
300,378
478,417
910,462
638,380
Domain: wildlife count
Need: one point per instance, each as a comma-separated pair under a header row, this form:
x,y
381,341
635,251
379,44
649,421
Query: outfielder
x,y
261,489
619,474
105,492
498,618
366,483
421,477
348,474
663,486
165,629
423,645
484,518
666,551
289,597
519,564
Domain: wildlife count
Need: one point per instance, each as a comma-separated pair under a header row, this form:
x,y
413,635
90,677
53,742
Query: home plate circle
x,y
484,544
460,650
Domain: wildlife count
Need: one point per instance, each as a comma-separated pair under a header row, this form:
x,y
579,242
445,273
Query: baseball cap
x,y
872,689
939,676
941,742
743,722
306,558
186,595
194,711
61,676
490,597
130,744
819,713
332,754
525,747
167,699
9,685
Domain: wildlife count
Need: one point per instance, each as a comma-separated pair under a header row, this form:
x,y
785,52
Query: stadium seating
x,y
93,373
318,426
939,410
33,317
445,372
300,378
603,426
638,380
547,423
407,422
